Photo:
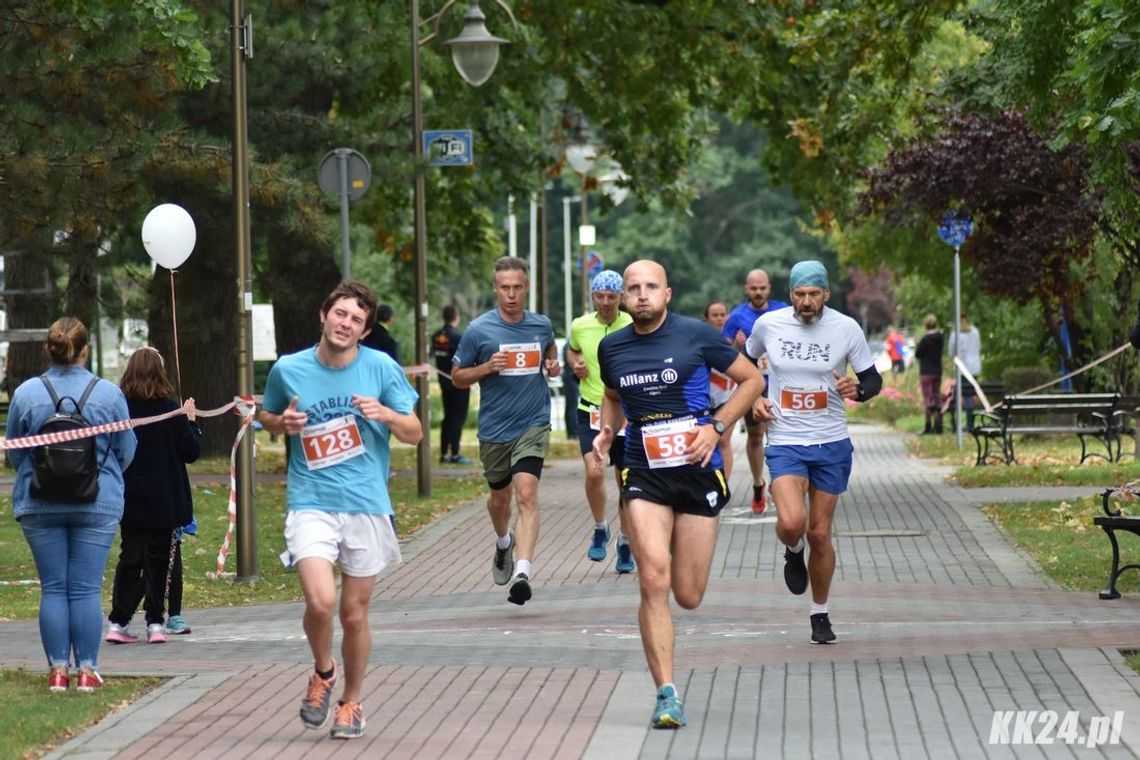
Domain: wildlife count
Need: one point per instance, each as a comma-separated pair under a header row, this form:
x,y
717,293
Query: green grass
x,y
1061,537
44,720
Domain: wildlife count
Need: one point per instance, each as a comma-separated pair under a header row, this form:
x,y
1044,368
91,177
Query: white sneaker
x,y
118,634
155,634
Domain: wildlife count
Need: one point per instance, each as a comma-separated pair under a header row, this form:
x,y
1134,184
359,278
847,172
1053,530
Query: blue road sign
x,y
448,147
594,263
955,228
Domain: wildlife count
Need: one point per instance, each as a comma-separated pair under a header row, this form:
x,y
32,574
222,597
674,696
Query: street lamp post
x,y
475,53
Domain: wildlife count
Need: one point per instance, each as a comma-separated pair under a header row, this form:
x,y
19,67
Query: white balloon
x,y
168,235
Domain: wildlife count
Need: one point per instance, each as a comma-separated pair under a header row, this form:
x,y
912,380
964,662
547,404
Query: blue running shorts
x,y
827,466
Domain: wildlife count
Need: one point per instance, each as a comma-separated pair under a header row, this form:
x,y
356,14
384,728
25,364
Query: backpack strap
x,y
51,391
87,392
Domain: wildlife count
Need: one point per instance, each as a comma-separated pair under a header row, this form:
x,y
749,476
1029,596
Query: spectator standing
x,y
969,349
444,341
928,352
896,351
381,337
157,504
70,541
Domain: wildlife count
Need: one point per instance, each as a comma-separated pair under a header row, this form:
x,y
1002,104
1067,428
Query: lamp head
x,y
475,52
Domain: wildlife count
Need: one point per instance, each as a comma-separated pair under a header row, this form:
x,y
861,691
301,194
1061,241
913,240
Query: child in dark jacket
x,y
157,506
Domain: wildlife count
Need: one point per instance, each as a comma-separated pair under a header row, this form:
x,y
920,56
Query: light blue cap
x,y
808,274
607,279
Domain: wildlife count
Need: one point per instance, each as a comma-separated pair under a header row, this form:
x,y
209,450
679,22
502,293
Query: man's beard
x,y
807,319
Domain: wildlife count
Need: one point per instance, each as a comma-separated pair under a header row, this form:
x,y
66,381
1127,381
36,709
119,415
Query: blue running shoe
x,y
625,563
597,551
670,712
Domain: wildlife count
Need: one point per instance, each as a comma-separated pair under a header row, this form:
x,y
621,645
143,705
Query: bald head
x,y
757,289
646,294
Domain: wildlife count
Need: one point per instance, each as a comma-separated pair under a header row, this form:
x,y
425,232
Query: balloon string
x,y
174,321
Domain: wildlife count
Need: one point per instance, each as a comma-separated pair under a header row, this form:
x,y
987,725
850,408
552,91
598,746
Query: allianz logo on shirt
x,y
667,376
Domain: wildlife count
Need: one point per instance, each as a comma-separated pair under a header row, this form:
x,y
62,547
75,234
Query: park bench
x,y
1086,415
1124,418
1113,520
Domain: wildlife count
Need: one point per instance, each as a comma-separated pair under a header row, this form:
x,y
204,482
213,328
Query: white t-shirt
x,y
808,409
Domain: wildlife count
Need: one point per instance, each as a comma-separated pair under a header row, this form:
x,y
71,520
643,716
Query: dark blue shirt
x,y
663,376
743,317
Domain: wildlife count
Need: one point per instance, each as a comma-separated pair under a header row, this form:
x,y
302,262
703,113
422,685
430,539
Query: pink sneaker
x,y
118,634
155,634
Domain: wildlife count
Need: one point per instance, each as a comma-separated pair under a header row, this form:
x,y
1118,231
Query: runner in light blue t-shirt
x,y
339,403
509,352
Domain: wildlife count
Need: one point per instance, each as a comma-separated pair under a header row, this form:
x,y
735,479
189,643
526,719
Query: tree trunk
x,y
29,267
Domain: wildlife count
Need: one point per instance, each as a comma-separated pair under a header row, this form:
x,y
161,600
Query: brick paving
x,y
940,624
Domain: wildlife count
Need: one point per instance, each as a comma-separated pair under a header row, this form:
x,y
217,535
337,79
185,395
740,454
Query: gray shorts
x,y
502,460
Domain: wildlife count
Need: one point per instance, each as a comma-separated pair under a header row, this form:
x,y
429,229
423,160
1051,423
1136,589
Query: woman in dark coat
x,y
928,352
158,502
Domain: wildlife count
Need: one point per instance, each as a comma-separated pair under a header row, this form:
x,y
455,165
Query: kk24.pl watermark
x,y
1051,727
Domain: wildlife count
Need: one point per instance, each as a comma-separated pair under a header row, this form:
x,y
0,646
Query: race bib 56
x,y
803,400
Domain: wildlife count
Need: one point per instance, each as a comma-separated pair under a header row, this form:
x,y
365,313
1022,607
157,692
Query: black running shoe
x,y
821,632
519,592
795,571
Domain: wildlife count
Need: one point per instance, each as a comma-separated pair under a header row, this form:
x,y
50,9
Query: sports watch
x,y
718,426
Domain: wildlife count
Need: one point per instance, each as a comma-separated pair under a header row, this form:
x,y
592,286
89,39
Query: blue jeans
x,y
71,550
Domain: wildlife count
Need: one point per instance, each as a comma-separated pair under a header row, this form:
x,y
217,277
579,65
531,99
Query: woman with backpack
x,y
158,504
68,499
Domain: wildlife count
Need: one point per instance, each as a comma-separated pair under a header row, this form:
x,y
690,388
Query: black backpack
x,y
67,471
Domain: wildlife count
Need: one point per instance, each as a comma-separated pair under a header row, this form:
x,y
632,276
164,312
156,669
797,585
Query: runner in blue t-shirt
x,y
757,289
506,351
339,402
656,373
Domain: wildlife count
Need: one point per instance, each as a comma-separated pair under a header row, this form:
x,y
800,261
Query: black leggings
x,y
455,404
144,561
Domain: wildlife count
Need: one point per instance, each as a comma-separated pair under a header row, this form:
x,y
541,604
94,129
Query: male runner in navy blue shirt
x,y
656,373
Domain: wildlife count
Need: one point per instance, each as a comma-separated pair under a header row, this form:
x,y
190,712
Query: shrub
x,y
1018,379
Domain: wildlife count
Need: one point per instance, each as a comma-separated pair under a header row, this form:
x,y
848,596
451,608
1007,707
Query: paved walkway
x,y
940,623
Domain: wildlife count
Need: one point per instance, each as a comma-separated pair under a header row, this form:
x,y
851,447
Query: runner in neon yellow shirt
x,y
586,332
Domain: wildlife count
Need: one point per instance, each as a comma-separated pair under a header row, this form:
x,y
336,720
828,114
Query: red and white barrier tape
x,y
973,381
1076,372
247,408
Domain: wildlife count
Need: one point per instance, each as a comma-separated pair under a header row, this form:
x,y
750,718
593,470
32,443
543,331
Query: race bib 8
x,y
803,400
667,443
522,358
331,443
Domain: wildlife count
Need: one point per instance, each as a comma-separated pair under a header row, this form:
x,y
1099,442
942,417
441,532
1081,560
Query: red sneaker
x,y
59,680
759,503
88,680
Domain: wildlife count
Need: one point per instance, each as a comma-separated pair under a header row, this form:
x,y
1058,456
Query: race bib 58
x,y
667,443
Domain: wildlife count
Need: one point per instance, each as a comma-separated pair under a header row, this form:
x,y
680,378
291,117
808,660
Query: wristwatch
x,y
718,426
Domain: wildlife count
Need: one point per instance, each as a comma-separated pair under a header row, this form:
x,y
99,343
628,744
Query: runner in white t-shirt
x,y
809,449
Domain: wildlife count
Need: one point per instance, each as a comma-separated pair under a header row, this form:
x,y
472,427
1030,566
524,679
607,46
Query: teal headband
x,y
809,274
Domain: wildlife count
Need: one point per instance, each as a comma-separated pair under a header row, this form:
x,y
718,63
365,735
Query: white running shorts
x,y
364,544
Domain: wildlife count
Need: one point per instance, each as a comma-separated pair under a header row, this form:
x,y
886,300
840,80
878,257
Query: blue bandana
x,y
608,280
808,274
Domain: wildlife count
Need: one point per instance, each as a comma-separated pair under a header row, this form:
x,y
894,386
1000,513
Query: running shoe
x,y
759,503
503,562
460,459
155,634
597,550
88,680
118,634
520,590
315,705
670,712
59,680
625,563
349,721
176,625
795,571
821,632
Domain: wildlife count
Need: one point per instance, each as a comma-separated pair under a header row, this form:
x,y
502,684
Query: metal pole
x,y
585,284
512,228
342,177
543,259
566,264
957,349
246,513
423,407
535,275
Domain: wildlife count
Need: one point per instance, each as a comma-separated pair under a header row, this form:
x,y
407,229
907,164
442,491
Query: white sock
x,y
523,566
622,539
670,684
603,525
818,609
799,547
502,542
